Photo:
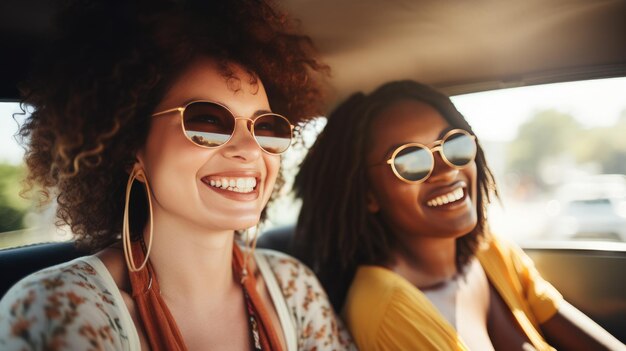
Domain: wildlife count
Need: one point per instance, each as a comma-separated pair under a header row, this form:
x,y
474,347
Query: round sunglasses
x,y
210,124
414,162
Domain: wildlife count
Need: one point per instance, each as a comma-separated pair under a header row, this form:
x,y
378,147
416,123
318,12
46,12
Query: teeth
x,y
237,185
250,182
241,183
446,198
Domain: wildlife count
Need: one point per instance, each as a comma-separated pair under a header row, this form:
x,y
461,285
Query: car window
x,y
558,154
21,222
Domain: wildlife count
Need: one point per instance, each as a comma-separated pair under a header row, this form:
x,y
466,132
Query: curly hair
x,y
335,231
110,63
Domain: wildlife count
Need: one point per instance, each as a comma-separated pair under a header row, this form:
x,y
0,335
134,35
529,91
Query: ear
x,y
138,165
372,202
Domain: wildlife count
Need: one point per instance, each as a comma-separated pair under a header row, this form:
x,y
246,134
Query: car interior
x,y
457,47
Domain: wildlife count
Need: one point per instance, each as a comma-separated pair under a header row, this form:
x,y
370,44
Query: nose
x,y
441,170
242,146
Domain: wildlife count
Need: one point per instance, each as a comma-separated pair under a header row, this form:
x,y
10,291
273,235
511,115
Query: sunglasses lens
x,y
413,163
208,124
459,149
273,133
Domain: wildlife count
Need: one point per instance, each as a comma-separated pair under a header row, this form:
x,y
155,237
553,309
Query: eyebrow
x,y
260,112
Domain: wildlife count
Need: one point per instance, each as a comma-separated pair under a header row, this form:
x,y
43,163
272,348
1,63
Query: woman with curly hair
x,y
404,238
158,127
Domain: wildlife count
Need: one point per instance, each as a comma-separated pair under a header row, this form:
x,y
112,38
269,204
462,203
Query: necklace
x,y
252,320
241,274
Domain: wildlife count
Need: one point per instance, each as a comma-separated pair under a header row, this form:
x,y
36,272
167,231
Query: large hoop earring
x,y
126,242
250,247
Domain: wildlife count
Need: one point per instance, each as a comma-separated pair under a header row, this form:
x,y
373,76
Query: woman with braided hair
x,y
401,241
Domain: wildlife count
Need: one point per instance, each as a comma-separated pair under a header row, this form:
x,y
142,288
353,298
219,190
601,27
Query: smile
x,y
234,184
445,199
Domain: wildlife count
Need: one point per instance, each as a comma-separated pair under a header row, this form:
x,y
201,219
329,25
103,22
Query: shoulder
x,y
280,259
494,243
286,267
509,268
374,295
376,287
69,304
315,320
383,311
298,283
499,251
67,279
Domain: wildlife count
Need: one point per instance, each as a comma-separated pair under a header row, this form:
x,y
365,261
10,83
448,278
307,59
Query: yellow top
x,y
385,312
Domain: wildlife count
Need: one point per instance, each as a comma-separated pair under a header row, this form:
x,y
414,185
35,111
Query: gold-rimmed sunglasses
x,y
414,162
210,124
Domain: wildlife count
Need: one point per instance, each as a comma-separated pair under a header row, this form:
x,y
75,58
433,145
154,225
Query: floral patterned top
x,y
77,306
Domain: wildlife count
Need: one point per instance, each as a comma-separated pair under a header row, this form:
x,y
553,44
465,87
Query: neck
x,y
191,262
425,261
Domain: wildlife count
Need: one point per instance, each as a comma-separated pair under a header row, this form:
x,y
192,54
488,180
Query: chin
x,y
225,222
241,222
457,230
466,230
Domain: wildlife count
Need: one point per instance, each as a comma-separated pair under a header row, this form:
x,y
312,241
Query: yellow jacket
x,y
385,312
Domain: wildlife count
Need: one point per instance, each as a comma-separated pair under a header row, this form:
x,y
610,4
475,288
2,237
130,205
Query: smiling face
x,y
223,188
419,209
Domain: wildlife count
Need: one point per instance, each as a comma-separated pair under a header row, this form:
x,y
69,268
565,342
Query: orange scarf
x,y
159,324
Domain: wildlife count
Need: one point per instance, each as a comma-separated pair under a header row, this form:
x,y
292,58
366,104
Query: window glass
x,y
21,223
558,152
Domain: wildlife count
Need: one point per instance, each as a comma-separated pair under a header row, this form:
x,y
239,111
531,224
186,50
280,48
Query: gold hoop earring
x,y
250,247
128,253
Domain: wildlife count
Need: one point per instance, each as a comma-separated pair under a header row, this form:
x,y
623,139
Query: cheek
x,y
172,162
394,195
165,144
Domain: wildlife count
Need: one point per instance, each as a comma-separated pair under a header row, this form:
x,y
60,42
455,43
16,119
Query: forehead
x,y
204,80
407,121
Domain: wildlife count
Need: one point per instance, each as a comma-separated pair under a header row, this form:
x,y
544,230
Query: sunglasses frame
x,y
435,146
250,124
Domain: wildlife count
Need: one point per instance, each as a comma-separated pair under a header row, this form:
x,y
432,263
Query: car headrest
x,y
278,239
16,263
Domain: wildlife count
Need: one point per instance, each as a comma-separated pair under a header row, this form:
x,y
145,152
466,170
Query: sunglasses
x,y
414,162
210,124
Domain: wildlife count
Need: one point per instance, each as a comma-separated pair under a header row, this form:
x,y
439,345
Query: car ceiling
x,y
465,46
457,46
